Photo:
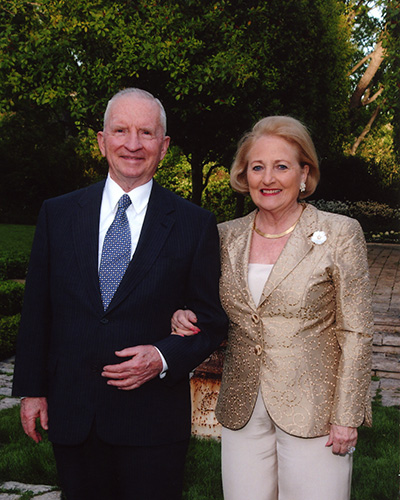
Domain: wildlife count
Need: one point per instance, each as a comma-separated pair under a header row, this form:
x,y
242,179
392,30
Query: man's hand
x,y
144,365
31,409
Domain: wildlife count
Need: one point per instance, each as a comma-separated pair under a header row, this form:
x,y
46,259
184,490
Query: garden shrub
x,y
374,217
11,297
13,266
8,335
353,178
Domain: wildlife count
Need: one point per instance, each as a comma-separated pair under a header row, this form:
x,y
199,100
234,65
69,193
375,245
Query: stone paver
x,y
40,491
54,495
8,403
384,267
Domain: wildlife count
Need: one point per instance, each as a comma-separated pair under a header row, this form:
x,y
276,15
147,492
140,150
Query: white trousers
x,y
262,462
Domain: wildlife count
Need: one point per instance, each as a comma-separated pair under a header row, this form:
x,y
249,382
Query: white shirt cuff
x,y
165,366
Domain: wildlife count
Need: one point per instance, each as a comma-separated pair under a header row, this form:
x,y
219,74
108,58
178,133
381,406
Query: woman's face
x,y
274,174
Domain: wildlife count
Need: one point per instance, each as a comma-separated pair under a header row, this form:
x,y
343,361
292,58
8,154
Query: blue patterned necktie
x,y
116,252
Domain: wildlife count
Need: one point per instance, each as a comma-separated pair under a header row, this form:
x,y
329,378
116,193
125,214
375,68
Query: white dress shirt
x,y
135,213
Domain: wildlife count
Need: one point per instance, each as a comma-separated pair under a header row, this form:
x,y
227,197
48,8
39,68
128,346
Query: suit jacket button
x,y
258,350
255,318
104,321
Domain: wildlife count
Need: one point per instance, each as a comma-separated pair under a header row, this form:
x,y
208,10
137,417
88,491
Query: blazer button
x,y
255,318
104,321
258,350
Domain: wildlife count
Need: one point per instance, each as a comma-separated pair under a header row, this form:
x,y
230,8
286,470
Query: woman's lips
x,y
270,192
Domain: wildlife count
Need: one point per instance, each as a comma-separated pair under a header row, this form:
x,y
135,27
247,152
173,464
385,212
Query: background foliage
x,y
218,66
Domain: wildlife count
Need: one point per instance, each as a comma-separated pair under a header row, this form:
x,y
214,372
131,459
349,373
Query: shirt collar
x,y
139,196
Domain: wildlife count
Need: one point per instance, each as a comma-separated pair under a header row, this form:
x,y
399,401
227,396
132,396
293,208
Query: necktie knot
x,y
124,202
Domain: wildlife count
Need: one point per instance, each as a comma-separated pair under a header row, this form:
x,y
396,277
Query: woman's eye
x,y
257,168
282,167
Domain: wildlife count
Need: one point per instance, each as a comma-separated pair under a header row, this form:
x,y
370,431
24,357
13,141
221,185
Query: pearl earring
x,y
302,187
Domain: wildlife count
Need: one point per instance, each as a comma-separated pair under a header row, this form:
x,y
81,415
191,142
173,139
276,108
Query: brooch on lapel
x,y
319,237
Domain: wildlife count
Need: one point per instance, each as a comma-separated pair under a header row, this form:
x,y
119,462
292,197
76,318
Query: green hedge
x,y
379,221
11,297
8,335
13,266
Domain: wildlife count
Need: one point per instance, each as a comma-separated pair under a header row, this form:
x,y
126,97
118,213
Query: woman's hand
x,y
183,323
342,439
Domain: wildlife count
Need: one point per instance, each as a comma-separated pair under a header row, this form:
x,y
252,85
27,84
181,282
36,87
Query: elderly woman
x,y
294,283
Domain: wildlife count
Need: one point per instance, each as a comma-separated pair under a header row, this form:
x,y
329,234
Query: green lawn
x,y
15,248
16,238
377,458
375,476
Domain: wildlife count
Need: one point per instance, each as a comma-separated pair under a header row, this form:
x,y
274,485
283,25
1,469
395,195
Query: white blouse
x,y
257,277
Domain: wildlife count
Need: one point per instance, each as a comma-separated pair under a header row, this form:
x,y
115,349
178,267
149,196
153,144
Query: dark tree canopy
x,y
218,66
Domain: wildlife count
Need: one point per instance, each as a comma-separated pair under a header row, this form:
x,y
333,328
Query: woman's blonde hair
x,y
287,128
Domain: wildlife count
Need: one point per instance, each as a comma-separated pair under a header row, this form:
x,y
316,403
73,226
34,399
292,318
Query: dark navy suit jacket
x,y
66,338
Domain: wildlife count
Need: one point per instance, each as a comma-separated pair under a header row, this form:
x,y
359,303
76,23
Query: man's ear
x,y
165,146
100,142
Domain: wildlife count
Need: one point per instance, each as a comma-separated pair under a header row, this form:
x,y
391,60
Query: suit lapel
x,y
239,250
297,247
86,240
160,218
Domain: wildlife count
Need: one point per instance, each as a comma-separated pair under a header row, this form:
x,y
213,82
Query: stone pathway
x,y
384,265
13,491
6,373
384,262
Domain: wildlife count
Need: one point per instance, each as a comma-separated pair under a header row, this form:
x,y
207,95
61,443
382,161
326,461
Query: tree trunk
x,y
367,128
376,59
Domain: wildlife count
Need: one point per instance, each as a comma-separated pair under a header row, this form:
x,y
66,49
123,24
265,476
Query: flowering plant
x,y
318,237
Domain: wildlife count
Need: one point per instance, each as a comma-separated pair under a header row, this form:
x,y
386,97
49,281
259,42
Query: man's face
x,y
133,141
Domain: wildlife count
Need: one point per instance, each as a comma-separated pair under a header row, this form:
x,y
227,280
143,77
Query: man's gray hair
x,y
143,94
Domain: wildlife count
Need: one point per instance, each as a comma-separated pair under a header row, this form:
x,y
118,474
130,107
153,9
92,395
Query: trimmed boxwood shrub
x,y
11,297
13,266
374,217
8,335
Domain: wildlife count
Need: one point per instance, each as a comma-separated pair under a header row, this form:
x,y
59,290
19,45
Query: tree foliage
x,y
218,66
375,78
392,45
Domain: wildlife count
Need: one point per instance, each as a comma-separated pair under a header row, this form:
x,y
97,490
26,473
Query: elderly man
x,y
95,359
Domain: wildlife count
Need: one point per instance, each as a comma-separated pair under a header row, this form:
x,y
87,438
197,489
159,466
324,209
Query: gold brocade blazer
x,y
307,345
